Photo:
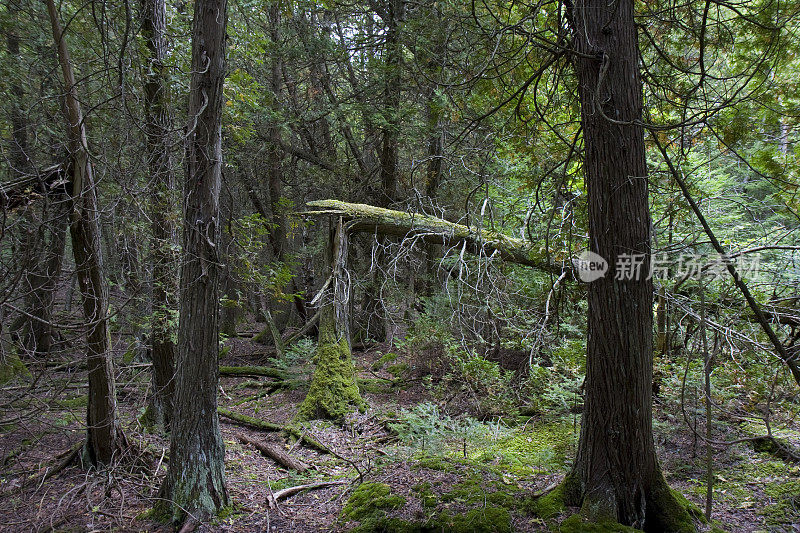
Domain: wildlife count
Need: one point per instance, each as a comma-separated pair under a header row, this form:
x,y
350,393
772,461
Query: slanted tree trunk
x,y
616,475
105,437
334,389
163,202
195,480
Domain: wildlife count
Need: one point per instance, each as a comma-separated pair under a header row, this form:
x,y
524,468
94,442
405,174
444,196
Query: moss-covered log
x,y
255,423
252,371
362,217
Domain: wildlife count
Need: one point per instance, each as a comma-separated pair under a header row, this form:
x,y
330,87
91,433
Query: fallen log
x,y
363,217
274,453
252,371
249,421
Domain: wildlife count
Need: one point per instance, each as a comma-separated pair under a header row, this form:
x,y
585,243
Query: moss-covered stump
x,y
334,389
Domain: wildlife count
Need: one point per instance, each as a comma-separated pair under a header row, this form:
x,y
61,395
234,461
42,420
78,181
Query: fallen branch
x,y
274,453
282,494
249,421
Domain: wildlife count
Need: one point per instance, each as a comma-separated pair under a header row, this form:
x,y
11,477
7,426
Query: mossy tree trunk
x,y
104,436
164,243
616,475
334,388
195,480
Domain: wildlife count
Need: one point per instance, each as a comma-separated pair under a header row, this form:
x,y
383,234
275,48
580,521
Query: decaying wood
x,y
255,423
274,453
251,371
362,217
282,494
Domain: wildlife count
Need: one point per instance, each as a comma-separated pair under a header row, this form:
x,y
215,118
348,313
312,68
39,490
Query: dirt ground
x,y
42,419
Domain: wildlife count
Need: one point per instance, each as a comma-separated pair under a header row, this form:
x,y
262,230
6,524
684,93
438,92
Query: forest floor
x,y
409,460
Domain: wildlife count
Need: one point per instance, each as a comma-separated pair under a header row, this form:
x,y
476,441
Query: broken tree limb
x,y
282,494
255,423
274,453
362,217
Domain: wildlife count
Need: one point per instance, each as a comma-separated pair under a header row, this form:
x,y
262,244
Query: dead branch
x,y
274,453
282,494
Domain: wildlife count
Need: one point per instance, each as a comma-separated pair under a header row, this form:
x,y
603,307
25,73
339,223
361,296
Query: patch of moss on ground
x,y
12,366
543,446
577,524
388,357
786,509
73,403
548,506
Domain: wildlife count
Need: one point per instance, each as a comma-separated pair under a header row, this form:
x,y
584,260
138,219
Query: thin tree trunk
x,y
195,480
163,202
616,475
392,87
104,437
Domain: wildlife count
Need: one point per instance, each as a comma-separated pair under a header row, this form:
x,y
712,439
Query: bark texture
x,y
163,202
616,476
195,480
104,437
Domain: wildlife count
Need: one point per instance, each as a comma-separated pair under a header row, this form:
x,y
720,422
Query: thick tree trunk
x,y
195,480
163,202
104,437
616,475
334,388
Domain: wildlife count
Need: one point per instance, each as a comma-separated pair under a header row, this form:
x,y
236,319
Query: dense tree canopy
x,y
450,230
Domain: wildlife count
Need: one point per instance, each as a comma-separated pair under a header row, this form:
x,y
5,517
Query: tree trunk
x,y
164,243
392,87
195,480
104,437
616,475
334,389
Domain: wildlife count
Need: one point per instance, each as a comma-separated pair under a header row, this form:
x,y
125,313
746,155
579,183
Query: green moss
x,y
371,499
543,446
12,366
426,496
398,369
73,403
376,386
388,357
488,519
334,391
578,524
785,510
548,506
